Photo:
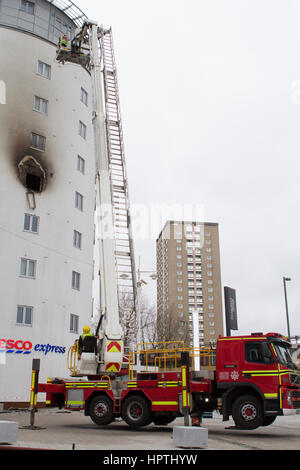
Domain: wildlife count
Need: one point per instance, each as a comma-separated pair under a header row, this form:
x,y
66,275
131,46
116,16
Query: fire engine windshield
x,y
284,355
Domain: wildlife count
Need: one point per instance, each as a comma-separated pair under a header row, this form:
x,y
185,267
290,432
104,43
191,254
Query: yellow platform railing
x,y
72,358
166,356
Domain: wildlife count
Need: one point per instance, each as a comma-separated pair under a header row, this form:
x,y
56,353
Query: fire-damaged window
x,y
32,174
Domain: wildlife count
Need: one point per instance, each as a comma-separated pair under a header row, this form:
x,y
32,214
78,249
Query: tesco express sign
x,y
10,346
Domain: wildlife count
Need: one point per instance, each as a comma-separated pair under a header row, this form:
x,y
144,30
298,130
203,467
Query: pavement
x,y
63,430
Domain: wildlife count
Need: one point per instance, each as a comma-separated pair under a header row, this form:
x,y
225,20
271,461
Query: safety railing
x,y
166,356
72,358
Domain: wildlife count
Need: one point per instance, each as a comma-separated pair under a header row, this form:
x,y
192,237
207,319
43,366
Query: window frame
x,y
23,323
41,102
26,6
77,236
31,218
74,318
78,198
39,138
82,130
76,278
44,67
27,263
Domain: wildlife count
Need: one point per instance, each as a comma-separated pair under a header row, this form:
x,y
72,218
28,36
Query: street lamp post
x,y
285,279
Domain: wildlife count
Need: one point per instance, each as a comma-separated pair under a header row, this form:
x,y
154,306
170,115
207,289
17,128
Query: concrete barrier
x,y
8,432
191,437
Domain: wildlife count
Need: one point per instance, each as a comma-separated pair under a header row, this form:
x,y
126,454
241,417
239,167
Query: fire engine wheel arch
x,y
230,394
136,410
100,409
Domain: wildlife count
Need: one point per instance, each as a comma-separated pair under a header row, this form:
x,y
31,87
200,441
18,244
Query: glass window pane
x,y
34,226
47,71
23,267
28,312
44,107
31,268
27,222
19,314
40,67
36,103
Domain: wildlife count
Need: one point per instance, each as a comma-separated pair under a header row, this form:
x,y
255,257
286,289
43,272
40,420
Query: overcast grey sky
x,y
210,101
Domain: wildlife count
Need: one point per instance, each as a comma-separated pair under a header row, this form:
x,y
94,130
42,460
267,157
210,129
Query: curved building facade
x,y
47,170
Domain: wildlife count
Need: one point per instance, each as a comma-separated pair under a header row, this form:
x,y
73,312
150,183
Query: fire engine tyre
x,y
101,410
136,411
247,412
268,420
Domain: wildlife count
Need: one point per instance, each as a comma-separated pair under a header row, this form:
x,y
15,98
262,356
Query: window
x,y
78,201
38,142
24,315
80,164
74,321
84,96
27,268
258,352
40,105
61,27
77,238
44,69
28,7
82,130
75,280
31,223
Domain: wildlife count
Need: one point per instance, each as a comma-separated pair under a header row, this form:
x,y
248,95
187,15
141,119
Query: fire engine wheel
x,y
136,411
268,420
247,412
101,410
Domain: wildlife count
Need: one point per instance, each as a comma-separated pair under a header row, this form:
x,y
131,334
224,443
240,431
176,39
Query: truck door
x,y
260,368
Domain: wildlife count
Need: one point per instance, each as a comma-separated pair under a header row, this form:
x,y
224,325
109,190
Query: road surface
x,y
61,430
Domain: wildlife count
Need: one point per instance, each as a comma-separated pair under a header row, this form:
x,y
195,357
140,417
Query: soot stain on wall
x,y
30,166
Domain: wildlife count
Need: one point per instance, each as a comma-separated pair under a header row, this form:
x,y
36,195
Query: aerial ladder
x,y
92,48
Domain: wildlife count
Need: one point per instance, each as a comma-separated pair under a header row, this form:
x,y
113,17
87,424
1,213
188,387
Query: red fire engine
x,y
251,378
